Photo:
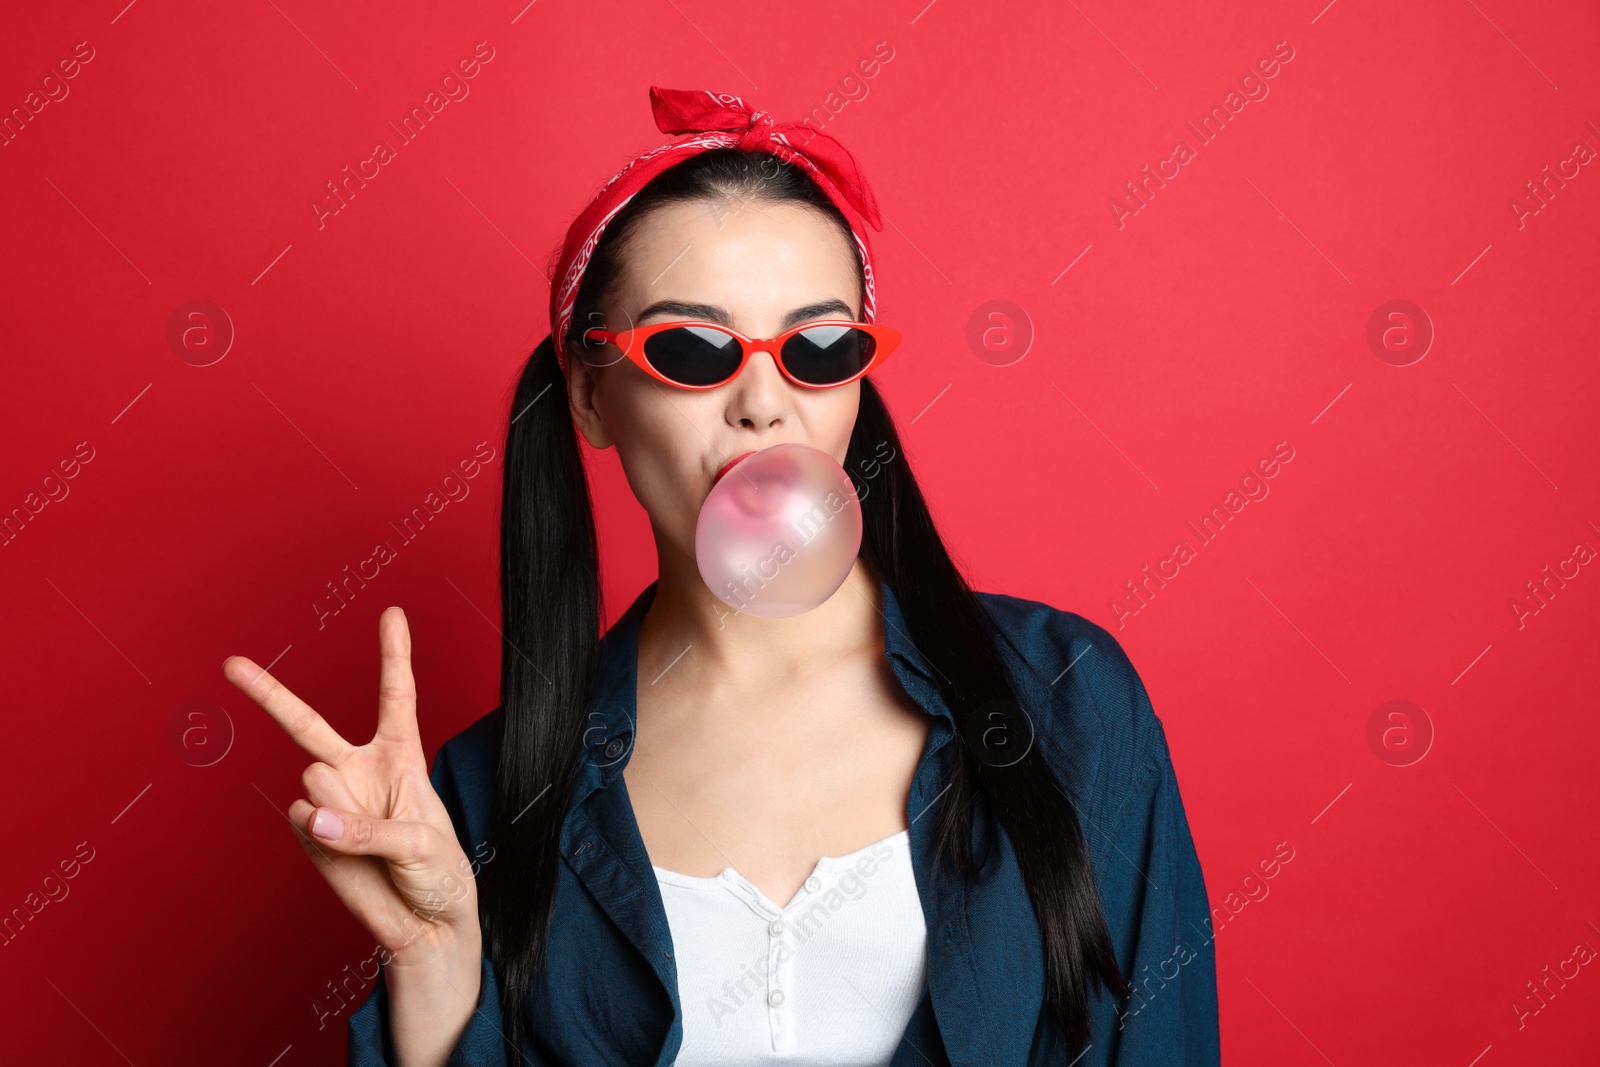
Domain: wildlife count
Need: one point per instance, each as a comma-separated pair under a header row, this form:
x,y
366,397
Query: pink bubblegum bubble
x,y
779,531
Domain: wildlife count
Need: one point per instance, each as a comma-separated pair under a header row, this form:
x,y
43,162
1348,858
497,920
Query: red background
x,y
1229,314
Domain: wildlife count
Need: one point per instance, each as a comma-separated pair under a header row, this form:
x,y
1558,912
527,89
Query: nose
x,y
759,396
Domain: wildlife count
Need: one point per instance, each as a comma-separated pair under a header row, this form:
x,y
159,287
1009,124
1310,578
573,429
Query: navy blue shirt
x,y
608,993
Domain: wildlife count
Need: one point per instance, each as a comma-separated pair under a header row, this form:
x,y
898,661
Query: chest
x,y
768,783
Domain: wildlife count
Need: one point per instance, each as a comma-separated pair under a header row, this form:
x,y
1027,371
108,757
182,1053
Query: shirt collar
x,y
609,739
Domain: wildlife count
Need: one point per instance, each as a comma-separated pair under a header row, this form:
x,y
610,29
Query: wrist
x,y
431,1001
442,942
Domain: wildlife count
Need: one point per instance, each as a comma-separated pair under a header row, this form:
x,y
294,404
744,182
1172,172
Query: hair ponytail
x,y
549,662
950,626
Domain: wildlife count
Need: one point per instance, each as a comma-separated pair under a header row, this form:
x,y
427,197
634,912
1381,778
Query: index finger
x,y
309,730
397,689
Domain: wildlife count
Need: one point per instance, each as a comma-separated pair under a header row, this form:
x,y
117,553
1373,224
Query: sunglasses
x,y
704,355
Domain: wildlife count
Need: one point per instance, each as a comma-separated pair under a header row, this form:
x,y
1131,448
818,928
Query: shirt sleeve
x,y
1162,930
481,1044
1146,870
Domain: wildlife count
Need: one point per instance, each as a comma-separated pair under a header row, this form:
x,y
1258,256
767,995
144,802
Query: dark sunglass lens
x,y
693,355
827,355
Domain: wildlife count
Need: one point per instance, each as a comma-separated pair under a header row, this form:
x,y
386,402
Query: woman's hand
x,y
373,825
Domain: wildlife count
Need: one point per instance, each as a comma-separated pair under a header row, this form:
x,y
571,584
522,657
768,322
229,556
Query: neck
x,y
689,629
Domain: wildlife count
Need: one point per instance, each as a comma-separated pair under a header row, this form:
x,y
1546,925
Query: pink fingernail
x,y
327,825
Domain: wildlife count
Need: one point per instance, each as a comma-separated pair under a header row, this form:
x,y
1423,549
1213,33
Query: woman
x,y
916,824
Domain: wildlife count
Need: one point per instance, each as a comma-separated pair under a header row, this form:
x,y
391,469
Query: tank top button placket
x,y
781,975
780,985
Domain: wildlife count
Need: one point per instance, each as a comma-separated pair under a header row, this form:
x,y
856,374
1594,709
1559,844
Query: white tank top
x,y
829,980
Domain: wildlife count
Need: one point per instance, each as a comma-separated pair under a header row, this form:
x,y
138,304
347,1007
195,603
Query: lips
x,y
728,466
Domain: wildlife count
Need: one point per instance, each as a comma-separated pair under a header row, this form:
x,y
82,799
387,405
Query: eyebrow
x,y
713,313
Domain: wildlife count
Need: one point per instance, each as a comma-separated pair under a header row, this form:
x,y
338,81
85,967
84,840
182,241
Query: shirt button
x,y
776,927
613,747
775,997
813,884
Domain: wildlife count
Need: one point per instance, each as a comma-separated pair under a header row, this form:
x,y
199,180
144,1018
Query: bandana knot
x,y
759,133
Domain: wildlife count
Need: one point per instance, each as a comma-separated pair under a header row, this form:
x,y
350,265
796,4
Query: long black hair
x,y
550,612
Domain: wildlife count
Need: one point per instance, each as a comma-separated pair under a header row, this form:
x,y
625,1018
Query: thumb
x,y
339,830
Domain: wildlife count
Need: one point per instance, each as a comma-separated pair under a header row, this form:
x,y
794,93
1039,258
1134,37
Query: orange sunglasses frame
x,y
632,344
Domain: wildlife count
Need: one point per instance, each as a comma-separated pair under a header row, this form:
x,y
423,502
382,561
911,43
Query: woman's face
x,y
760,268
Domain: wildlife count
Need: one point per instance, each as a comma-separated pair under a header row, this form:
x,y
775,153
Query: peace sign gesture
x,y
373,825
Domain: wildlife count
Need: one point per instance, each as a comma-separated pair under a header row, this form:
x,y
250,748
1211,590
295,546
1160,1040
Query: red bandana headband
x,y
716,120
